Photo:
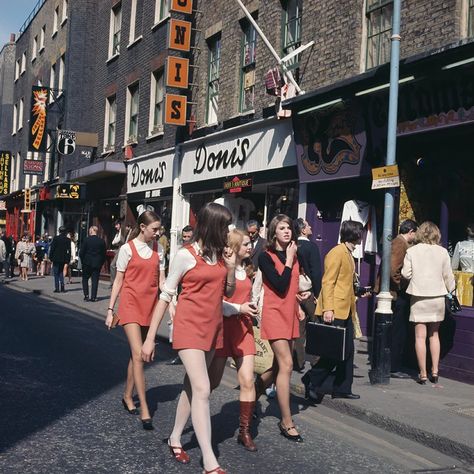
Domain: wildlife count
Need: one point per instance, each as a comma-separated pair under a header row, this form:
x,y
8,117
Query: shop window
x,y
379,28
162,10
214,45
110,122
291,30
247,67
470,18
115,30
42,35
55,21
136,21
157,105
133,99
34,51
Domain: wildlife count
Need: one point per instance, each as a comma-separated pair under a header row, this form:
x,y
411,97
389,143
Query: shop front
x,y
250,169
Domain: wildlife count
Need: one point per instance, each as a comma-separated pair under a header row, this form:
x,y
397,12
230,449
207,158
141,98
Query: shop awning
x,y
425,65
95,171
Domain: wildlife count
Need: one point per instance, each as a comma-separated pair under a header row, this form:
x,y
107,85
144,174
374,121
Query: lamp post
x,y
380,371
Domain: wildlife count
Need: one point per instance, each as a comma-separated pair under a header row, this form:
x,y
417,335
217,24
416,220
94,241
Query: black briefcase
x,y
326,340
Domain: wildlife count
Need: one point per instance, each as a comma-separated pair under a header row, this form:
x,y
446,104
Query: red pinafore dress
x,y
140,288
280,313
197,323
238,328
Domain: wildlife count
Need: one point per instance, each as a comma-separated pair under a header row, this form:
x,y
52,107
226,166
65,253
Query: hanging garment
x,y
273,81
287,92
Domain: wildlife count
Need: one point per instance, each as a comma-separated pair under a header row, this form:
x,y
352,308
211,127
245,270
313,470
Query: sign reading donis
x,y
233,153
151,173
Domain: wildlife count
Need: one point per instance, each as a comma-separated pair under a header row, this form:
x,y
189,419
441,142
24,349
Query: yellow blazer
x,y
337,289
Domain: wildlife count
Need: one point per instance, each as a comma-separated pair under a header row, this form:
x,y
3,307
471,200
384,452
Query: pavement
x,y
438,416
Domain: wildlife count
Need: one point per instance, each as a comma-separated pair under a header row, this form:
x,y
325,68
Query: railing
x,y
27,22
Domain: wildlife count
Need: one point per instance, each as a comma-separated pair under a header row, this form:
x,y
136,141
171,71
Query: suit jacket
x,y
310,260
260,246
337,289
428,267
60,250
399,250
93,252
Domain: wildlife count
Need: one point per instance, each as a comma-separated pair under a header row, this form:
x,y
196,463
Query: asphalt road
x,y
61,381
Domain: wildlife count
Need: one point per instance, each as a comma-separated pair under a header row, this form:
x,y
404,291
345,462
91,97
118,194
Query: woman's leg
x,y
433,334
216,371
420,347
65,270
134,336
264,380
129,386
282,349
196,395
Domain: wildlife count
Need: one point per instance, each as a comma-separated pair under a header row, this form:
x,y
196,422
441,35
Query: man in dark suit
x,y
60,254
309,259
92,256
258,243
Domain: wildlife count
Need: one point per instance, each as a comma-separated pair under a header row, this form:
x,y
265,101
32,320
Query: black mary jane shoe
x,y
147,424
133,411
434,378
422,380
284,432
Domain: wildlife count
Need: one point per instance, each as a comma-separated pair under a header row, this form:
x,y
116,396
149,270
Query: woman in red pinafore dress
x,y
205,270
239,342
140,273
280,315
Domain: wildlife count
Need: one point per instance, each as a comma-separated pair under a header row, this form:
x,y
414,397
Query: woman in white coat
x,y
428,267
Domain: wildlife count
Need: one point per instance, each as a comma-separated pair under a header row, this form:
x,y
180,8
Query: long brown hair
x,y
272,230
211,229
146,218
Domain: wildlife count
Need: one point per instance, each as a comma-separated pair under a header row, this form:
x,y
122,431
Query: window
x,y
17,170
62,68
55,21
214,46
110,121
52,83
379,27
136,20
133,99
15,118
292,30
470,18
47,161
115,27
42,35
17,69
162,10
20,114
157,105
23,63
35,48
64,12
247,64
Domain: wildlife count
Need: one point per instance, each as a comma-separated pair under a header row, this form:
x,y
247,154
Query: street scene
x,y
237,237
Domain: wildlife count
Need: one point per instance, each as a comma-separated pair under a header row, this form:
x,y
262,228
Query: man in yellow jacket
x,y
336,305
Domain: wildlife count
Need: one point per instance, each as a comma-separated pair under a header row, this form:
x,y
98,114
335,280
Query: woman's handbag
x,y
452,303
305,284
115,320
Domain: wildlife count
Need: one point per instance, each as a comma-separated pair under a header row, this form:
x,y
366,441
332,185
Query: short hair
x,y
428,233
407,226
62,230
300,224
118,221
93,228
351,231
252,222
188,228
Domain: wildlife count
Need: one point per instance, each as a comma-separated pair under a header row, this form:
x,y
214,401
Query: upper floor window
x,y
55,20
115,28
157,104
110,121
42,35
162,10
470,18
136,20
214,45
52,83
292,30
15,118
132,106
247,67
23,63
62,72
17,68
20,113
64,12
379,29
34,51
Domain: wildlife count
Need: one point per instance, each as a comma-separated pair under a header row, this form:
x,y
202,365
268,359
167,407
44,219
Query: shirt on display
x,y
240,209
463,256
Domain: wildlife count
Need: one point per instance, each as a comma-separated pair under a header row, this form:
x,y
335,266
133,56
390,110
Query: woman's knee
x,y
246,382
201,390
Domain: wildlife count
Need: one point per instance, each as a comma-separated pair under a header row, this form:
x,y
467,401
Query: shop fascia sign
x,y
150,174
237,185
241,152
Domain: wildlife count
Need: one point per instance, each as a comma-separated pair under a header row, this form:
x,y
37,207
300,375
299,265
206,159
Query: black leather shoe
x,y
147,424
133,411
94,300
350,396
284,431
56,291
312,396
176,361
399,375
86,298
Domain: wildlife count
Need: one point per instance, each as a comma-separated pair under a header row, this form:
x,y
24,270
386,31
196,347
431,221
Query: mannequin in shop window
x,y
462,263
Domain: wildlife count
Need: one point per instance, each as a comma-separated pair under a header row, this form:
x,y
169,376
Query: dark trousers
x,y
93,274
58,275
308,306
323,378
401,314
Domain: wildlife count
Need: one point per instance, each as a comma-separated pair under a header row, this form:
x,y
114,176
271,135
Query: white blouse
x,y
144,249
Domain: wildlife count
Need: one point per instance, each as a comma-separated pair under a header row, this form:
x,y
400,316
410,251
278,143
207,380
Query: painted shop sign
x,y
237,185
33,167
237,152
38,119
150,174
5,172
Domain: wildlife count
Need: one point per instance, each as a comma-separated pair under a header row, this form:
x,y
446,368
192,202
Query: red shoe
x,y
217,470
179,454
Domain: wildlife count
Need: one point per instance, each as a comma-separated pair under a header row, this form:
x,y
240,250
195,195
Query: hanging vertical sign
x,y
182,6
175,108
179,35
5,170
177,72
26,200
37,141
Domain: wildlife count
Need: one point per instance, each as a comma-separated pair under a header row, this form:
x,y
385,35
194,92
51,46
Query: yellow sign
x,y
27,200
385,177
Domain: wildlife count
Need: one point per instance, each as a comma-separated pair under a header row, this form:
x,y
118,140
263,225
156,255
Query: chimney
x,y
12,37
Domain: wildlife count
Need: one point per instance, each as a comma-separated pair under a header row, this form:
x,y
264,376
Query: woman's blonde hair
x,y
234,241
428,233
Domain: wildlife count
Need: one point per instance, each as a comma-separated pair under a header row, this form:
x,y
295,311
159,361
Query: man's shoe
x,y
86,298
56,291
94,300
350,396
399,375
176,361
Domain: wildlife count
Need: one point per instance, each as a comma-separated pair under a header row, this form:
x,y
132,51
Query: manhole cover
x,y
466,411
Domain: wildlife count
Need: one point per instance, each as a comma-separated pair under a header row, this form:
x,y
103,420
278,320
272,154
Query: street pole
x,y
380,372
